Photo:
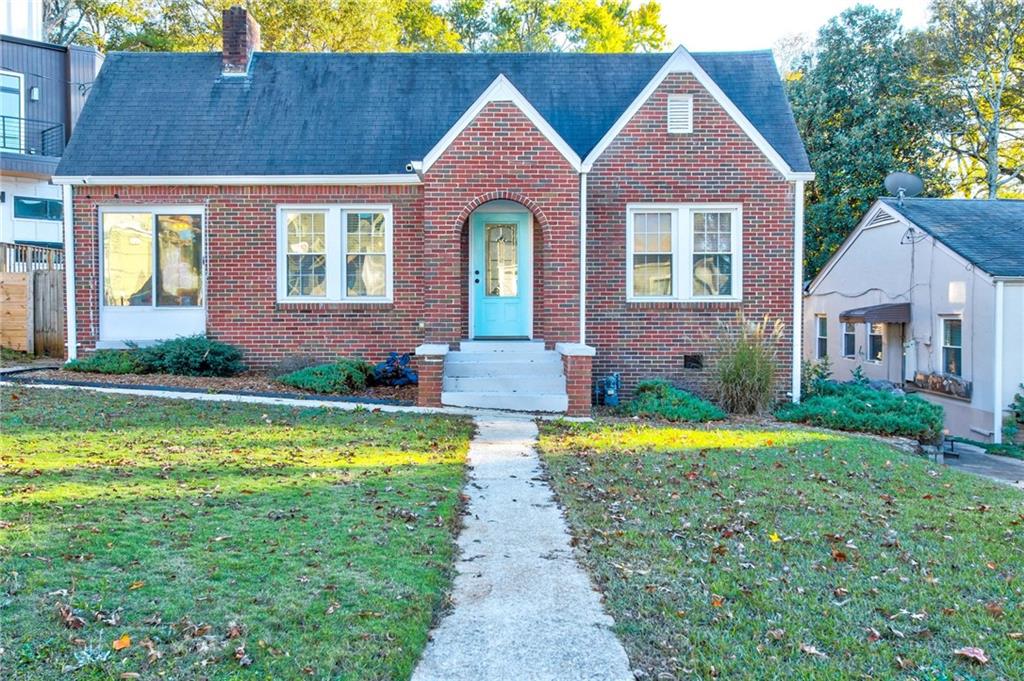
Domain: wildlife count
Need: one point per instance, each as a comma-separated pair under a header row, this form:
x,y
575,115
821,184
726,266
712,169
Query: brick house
x,y
521,221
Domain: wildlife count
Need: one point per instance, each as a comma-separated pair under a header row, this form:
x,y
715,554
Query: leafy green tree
x,y
579,25
974,51
860,110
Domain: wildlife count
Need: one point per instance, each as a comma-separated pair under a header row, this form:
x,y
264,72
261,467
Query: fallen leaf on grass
x,y
873,635
773,538
68,618
138,584
234,630
972,653
121,643
838,556
1016,635
811,650
717,601
904,664
776,634
995,609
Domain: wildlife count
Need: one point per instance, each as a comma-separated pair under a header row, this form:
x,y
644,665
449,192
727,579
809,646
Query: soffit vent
x,y
680,113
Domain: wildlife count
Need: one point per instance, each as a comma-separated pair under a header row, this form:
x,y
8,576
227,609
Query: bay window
x,y
683,253
334,254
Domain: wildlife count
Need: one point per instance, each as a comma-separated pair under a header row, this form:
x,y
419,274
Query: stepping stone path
x,y
523,608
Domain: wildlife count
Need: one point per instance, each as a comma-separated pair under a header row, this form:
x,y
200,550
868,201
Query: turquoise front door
x,y
501,275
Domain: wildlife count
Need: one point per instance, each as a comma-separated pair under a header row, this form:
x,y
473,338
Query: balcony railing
x,y
30,136
28,258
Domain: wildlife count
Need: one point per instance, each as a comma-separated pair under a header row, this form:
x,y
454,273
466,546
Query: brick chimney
x,y
241,37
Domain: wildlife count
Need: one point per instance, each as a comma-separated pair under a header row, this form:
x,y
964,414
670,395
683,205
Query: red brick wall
x,y
241,225
501,155
717,163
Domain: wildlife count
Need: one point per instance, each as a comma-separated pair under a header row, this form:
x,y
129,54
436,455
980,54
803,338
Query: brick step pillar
x,y
577,363
429,365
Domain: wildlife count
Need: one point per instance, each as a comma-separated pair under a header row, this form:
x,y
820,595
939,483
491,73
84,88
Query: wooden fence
x,y
32,299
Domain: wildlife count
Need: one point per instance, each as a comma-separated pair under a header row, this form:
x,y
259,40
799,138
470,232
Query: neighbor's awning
x,y
890,313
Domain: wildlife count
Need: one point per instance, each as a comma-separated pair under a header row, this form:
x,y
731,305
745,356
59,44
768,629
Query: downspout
x,y
583,257
798,285
997,404
69,270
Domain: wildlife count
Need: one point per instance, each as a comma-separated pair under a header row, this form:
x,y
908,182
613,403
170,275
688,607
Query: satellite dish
x,y
903,184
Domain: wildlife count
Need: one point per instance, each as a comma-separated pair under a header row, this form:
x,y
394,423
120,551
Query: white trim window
x,y
152,257
876,343
821,336
330,253
684,252
952,346
849,339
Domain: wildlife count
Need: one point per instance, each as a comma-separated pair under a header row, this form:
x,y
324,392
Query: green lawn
x,y
791,554
226,541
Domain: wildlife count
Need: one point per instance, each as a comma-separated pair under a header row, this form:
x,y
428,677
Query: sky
x,y
717,25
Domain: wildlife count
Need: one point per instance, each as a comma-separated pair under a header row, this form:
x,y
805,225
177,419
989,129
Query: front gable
x,y
501,90
682,63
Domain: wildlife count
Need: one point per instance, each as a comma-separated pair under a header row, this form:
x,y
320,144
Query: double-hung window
x,y
334,254
683,253
952,347
876,332
849,339
821,336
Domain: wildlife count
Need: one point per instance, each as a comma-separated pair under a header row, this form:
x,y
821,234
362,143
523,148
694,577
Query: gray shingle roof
x,y
989,234
302,114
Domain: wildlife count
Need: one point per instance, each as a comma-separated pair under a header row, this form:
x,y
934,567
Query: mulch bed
x,y
249,383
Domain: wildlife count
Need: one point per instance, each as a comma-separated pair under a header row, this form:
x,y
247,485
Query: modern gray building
x,y
42,90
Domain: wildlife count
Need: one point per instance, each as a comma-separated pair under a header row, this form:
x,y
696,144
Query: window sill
x,y
684,304
333,305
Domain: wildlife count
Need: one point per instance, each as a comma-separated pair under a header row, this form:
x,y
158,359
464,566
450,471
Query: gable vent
x,y
680,113
881,218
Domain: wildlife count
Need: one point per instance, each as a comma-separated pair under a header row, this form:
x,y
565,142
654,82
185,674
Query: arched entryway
x,y
500,266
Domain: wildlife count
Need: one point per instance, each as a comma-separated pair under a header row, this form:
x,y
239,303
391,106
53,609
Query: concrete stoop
x,y
505,375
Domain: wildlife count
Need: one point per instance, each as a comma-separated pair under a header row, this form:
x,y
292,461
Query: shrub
x,y
192,356
395,370
341,378
660,399
814,372
108,362
748,365
859,408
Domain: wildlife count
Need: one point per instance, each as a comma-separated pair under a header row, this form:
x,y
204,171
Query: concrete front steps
x,y
508,375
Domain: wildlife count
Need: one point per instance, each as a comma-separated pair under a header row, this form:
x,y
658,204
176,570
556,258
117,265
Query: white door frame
x,y
526,269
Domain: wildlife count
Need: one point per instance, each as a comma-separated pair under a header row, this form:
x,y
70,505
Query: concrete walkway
x,y
523,608
976,460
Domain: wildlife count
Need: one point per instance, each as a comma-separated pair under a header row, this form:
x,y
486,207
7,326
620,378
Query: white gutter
x,y
197,180
997,404
583,258
798,285
69,270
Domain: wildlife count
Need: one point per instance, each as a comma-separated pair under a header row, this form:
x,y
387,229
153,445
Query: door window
x,y
501,260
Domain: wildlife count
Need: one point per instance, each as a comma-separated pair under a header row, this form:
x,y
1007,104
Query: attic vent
x,y
881,218
680,113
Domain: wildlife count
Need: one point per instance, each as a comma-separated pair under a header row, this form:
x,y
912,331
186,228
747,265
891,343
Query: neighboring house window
x,y
686,253
875,342
10,111
822,336
849,339
952,347
335,253
680,114
153,258
29,208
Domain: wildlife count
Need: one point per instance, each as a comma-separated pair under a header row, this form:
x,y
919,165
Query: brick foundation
x,y
577,363
429,365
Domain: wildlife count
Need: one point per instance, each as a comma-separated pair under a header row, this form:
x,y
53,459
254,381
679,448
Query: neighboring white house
x,y
929,294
